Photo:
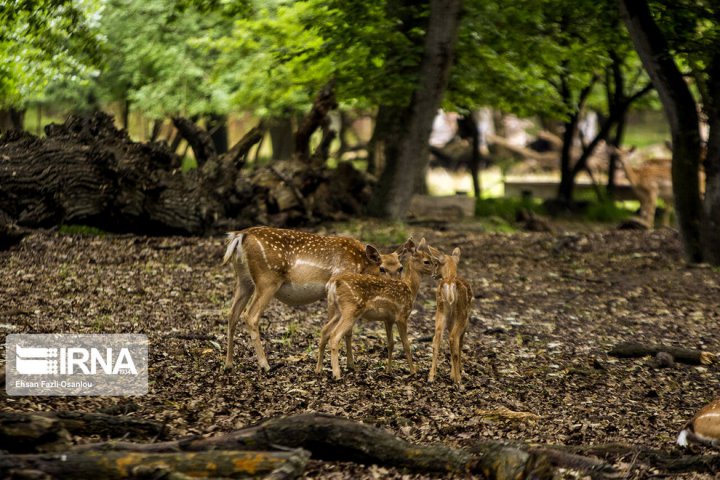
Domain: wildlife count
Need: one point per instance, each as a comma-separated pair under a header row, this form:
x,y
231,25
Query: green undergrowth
x,y
71,229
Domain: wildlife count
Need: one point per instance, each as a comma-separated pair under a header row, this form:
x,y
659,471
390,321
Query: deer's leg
x,y
456,338
342,327
265,290
437,342
348,347
402,330
333,317
390,342
243,291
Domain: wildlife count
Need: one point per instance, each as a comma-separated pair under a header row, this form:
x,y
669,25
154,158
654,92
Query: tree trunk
x,y
386,134
11,119
281,137
467,128
567,180
392,195
126,114
217,128
615,141
710,235
681,113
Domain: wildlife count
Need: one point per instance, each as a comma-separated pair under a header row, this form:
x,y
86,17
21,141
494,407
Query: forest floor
x,y
547,310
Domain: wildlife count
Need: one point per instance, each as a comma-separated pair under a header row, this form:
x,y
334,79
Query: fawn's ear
x,y
407,247
423,246
372,254
456,254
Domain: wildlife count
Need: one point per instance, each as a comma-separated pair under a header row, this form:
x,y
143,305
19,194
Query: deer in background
x,y
352,296
652,179
453,298
293,267
704,427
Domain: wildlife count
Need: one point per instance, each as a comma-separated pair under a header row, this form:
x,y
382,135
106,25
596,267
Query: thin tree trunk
x,y
467,128
681,113
126,115
11,119
397,182
710,234
217,127
281,138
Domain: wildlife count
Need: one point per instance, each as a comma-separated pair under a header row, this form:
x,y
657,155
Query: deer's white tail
x,y
234,246
682,439
449,293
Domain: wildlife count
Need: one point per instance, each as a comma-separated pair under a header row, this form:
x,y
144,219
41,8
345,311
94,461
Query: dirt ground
x,y
547,310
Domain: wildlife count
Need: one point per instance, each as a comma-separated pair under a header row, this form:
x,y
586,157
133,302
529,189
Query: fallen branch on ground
x,y
683,355
117,465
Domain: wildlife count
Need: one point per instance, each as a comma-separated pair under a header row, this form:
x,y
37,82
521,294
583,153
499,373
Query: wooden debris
x,y
682,355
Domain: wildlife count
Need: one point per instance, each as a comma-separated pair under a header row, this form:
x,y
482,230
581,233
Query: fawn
x,y
454,299
704,427
293,267
352,295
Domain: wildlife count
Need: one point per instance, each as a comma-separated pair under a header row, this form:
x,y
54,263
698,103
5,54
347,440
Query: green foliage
x,y
375,232
71,229
506,208
40,42
276,60
607,211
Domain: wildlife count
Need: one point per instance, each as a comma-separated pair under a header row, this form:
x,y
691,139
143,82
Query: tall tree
x,y
681,113
408,152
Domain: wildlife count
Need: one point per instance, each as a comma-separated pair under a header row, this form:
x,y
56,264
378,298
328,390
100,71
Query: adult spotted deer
x,y
704,427
352,296
652,179
293,267
453,298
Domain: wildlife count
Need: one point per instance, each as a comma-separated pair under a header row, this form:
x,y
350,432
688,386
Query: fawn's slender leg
x,y
390,342
402,330
243,291
333,318
348,347
343,326
437,342
265,290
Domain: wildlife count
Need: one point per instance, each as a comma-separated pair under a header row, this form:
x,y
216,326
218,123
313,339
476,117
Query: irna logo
x,y
76,364
72,360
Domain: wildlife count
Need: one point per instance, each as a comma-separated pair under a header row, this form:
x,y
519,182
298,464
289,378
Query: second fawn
x,y
352,296
454,299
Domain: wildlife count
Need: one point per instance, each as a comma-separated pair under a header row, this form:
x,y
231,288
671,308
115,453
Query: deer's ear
x,y
423,246
372,254
456,254
407,247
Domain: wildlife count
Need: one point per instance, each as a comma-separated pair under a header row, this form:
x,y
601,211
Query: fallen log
x,y
672,461
338,439
50,431
88,172
118,465
683,355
